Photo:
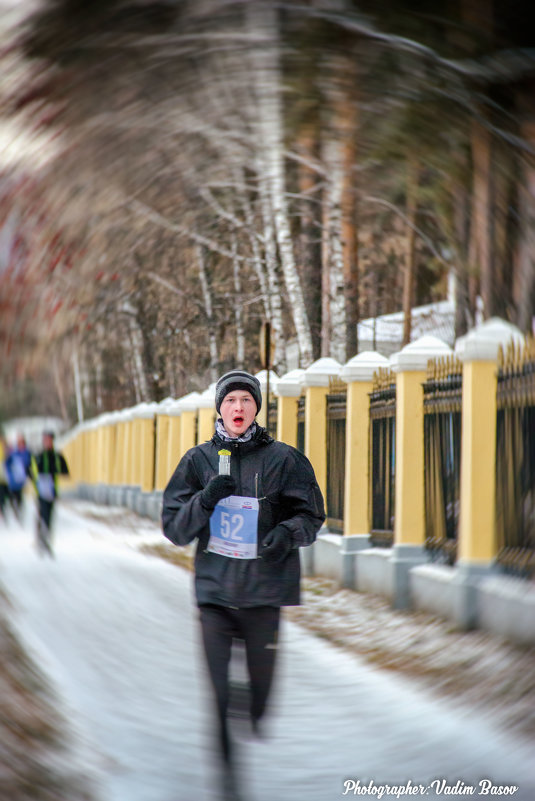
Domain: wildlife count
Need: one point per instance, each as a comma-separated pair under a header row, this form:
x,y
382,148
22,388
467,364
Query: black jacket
x,y
48,463
283,480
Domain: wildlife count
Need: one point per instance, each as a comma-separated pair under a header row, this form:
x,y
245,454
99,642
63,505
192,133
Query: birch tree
x,y
262,20
210,320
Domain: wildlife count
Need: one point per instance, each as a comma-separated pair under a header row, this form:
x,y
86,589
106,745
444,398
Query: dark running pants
x,y
258,628
45,511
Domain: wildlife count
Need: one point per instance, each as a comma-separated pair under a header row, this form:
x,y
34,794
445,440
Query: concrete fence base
x,y
470,596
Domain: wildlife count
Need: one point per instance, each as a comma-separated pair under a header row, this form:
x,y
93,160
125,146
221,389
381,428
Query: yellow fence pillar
x,y
262,376
288,389
410,366
173,440
316,386
477,546
127,448
162,433
113,436
120,457
188,423
206,415
145,446
358,374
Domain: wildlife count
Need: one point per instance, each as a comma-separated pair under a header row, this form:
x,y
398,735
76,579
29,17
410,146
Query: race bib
x,y
17,470
233,527
45,486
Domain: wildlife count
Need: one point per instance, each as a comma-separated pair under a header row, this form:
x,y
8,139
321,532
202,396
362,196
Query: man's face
x,y
48,442
238,410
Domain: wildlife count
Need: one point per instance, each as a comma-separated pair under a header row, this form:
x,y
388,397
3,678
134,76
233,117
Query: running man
x,y
45,469
249,525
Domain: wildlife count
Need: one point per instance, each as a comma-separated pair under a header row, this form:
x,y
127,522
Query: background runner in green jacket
x,y
45,469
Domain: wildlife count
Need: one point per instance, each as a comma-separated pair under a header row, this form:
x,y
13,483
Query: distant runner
x,y
45,469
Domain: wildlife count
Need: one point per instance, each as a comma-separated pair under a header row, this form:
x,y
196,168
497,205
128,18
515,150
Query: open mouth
x,y
238,421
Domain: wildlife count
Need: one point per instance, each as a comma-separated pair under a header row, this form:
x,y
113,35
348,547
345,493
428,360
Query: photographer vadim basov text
x,y
437,788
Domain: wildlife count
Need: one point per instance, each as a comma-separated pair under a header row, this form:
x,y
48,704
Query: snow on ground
x,y
116,631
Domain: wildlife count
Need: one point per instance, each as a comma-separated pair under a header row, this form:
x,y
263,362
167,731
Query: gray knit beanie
x,y
238,379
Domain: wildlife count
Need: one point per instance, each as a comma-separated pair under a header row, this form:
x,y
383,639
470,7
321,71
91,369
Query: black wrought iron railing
x,y
272,417
382,458
301,424
515,461
336,452
442,457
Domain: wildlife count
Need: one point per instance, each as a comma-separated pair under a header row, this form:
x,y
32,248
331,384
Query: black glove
x,y
217,488
276,545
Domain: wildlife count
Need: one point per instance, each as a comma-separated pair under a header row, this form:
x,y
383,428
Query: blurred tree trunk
x,y
210,321
524,283
348,121
479,17
273,289
480,253
77,385
409,281
309,245
333,266
238,309
263,21
461,224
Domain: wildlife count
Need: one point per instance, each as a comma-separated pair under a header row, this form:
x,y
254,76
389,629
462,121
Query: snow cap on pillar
x,y
164,405
363,366
415,355
321,371
290,384
262,377
207,398
172,409
483,342
145,411
189,402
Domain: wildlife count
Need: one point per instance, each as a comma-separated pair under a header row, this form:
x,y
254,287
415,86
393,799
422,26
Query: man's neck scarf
x,y
221,432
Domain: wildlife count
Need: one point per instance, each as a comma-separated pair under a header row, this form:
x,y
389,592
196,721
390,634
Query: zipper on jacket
x,y
236,448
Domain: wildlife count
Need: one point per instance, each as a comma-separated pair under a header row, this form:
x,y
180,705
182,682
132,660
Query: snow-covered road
x,y
116,631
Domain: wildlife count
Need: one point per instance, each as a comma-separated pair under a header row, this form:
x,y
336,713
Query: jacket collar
x,y
260,437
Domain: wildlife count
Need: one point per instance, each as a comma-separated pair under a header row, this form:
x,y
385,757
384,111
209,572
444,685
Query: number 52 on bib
x,y
233,527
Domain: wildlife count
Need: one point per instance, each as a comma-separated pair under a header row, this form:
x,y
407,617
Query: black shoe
x,y
230,788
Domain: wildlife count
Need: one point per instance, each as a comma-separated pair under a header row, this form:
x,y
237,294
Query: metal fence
x,y
382,457
515,461
442,457
336,453
301,424
272,417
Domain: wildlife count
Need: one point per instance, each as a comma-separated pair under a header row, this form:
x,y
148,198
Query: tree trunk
x,y
274,293
77,386
348,119
263,20
524,283
480,256
309,246
208,308
238,309
461,226
410,266
334,266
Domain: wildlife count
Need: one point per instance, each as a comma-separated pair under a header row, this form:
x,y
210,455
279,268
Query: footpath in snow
x,y
116,632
